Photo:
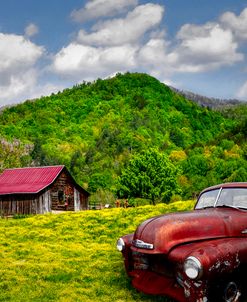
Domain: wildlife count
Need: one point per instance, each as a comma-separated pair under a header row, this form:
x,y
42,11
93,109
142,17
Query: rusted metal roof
x,y
28,180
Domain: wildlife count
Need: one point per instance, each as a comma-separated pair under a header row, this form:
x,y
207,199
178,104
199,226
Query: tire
x,y
232,292
227,291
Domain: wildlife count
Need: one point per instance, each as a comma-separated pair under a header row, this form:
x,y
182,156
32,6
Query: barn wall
x,y
84,201
62,194
25,204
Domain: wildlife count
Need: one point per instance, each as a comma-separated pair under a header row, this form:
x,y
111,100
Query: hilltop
x,y
96,128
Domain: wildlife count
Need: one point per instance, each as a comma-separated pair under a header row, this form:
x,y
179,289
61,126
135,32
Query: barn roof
x,y
28,180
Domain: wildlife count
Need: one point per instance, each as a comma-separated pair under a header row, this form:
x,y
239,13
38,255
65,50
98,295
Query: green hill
x,y
72,256
95,128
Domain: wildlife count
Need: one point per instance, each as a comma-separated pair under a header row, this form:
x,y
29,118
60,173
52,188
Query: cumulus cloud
x,y
136,42
154,56
124,30
124,36
31,30
113,46
205,47
87,62
237,24
18,57
17,85
16,52
101,8
25,86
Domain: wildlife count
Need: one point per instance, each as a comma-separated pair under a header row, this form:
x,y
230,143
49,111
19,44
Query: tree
x,y
150,175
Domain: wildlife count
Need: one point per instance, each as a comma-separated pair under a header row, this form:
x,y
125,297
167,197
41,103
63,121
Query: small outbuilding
x,y
38,190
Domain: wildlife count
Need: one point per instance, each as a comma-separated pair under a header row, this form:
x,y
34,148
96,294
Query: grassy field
x,y
71,256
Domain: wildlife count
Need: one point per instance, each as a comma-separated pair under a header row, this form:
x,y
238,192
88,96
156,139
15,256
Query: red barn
x,y
38,190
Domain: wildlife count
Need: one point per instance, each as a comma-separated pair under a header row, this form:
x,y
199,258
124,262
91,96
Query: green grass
x,y
71,256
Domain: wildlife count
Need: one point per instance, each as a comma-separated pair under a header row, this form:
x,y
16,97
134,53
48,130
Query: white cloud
x,y
87,62
242,93
16,52
137,43
124,30
198,49
205,47
101,8
113,46
237,24
154,57
119,45
31,30
17,85
39,90
18,57
25,86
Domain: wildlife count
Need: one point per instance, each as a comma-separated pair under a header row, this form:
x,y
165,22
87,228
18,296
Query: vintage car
x,y
200,255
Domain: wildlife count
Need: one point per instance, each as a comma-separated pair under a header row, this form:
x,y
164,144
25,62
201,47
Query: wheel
x,y
227,291
232,292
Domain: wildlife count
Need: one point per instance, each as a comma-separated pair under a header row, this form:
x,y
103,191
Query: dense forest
x,y
97,128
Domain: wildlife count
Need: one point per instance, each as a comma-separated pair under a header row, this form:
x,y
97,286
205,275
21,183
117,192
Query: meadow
x,y
71,256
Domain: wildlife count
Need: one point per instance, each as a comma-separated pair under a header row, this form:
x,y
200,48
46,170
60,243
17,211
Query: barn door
x,y
77,200
47,202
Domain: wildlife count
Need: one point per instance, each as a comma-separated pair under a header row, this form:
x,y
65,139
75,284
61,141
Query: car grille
x,y
155,263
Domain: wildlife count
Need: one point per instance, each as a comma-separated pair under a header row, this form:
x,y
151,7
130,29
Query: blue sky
x,y
195,45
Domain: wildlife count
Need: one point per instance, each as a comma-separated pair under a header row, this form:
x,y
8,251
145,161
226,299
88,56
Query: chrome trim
x,y
142,245
217,198
197,261
198,264
120,244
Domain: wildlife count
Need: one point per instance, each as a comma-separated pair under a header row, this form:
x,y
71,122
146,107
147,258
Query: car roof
x,y
226,185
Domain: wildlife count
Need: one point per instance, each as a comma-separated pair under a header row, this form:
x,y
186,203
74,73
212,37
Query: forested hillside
x,y
96,128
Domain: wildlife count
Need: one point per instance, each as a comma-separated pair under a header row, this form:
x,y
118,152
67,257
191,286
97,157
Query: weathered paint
x,y
215,236
167,231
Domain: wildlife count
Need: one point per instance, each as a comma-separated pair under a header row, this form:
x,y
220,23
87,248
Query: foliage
x,y
72,256
102,197
14,154
150,175
96,128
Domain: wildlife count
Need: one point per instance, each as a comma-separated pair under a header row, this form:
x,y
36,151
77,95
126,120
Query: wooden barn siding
x,y
22,204
35,204
84,202
64,183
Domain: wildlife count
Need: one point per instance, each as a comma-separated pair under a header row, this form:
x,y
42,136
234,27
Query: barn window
x,y
60,196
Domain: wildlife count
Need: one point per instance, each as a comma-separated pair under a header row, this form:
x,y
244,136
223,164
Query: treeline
x,y
95,129
210,102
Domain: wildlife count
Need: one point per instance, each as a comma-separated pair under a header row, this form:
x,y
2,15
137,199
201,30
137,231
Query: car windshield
x,y
229,197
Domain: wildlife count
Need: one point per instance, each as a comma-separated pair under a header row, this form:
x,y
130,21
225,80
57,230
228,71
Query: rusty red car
x,y
199,255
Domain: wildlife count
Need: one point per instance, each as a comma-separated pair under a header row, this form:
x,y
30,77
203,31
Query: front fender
x,y
220,258
127,252
216,256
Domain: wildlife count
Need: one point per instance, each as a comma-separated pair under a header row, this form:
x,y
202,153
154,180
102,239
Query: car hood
x,y
168,231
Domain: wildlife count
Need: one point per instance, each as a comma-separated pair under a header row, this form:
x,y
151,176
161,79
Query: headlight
x,y
192,267
120,245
